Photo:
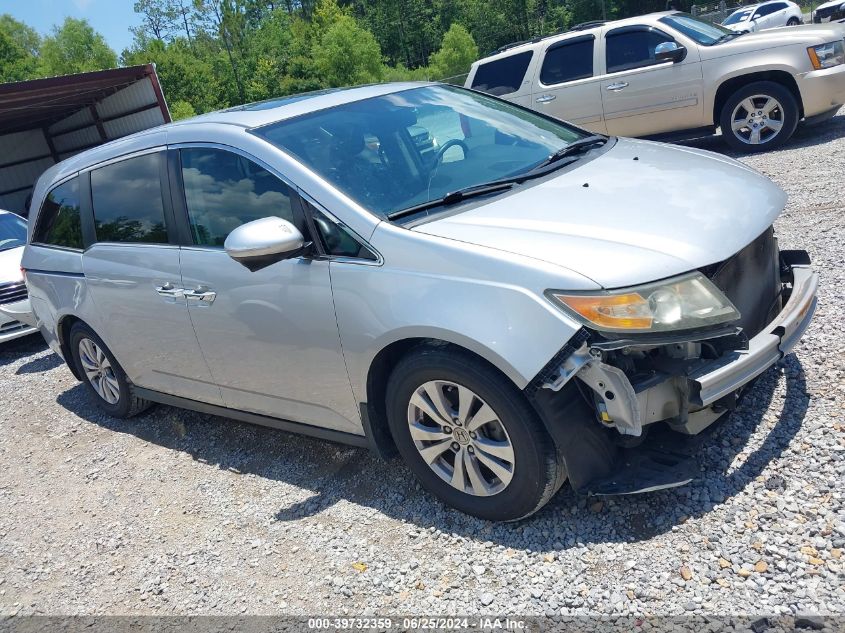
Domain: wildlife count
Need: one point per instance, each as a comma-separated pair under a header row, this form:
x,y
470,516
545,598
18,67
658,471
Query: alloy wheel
x,y
757,120
461,438
99,371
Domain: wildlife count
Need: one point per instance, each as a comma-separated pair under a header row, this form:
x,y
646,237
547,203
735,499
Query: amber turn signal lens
x,y
618,312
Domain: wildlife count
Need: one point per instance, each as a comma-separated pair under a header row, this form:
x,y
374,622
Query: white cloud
x,y
82,5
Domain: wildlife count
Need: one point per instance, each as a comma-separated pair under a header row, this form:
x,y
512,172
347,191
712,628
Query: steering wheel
x,y
448,145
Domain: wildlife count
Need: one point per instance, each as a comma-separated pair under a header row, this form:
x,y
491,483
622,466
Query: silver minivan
x,y
511,304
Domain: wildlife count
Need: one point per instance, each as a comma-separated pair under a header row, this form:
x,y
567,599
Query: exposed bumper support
x,y
730,372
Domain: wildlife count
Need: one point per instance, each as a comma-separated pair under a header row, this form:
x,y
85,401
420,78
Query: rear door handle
x,y
546,98
201,296
619,85
169,290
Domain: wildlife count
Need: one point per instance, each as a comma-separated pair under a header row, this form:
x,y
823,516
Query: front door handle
x,y
169,290
619,85
201,296
546,98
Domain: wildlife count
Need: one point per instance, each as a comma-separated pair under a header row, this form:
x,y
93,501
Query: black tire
x,y
128,404
793,22
788,115
538,471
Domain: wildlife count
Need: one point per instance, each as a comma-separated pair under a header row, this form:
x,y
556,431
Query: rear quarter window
x,y
502,76
59,222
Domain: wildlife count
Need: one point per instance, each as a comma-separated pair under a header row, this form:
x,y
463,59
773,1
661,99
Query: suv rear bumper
x,y
728,373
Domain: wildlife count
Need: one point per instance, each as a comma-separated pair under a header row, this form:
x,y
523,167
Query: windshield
x,y
702,32
739,16
12,231
399,150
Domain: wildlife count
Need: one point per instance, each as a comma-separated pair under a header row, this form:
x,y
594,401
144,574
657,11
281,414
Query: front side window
x,y
700,31
224,190
502,76
59,221
127,201
395,151
627,50
568,61
12,231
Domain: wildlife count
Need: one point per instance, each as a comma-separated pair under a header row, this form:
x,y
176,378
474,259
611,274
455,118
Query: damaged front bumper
x,y
688,382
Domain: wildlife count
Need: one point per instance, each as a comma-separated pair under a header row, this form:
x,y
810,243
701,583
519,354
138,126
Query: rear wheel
x,y
793,22
760,116
102,376
470,436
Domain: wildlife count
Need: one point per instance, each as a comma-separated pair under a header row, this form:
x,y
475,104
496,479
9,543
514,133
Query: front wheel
x,y
470,436
760,116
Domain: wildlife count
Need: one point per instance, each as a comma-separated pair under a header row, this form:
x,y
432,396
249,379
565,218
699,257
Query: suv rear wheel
x,y
470,436
759,116
103,377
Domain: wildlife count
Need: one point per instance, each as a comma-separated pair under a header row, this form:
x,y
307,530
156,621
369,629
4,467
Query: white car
x,y
766,15
15,314
833,11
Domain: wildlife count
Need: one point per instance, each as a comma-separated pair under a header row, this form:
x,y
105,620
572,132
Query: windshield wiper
x,y
453,197
727,37
576,147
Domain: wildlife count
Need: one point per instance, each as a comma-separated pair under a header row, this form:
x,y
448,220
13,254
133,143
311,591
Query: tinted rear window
x,y
58,222
127,201
567,62
502,76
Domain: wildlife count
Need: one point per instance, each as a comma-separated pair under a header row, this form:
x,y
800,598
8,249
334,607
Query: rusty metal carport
x,y
44,121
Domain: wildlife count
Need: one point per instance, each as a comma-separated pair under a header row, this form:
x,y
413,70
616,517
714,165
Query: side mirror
x,y
263,242
669,52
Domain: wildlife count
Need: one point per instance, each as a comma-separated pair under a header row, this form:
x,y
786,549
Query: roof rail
x,y
587,25
578,27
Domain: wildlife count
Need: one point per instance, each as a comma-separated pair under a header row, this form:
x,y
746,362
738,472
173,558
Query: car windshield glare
x,y
399,150
12,231
702,32
739,16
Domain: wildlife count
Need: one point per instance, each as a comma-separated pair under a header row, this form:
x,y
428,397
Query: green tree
x,y
185,72
19,46
456,54
347,54
181,110
75,47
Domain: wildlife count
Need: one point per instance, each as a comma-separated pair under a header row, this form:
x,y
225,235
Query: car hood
x,y
10,265
771,38
827,5
639,212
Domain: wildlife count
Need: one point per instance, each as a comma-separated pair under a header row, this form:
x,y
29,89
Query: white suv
x,y
670,73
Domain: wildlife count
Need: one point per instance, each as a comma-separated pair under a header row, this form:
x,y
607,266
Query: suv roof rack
x,y
578,27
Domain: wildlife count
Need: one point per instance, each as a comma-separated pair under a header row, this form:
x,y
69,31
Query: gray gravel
x,y
177,512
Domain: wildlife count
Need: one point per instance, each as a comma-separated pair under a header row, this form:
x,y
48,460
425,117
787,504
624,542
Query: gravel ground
x,y
175,512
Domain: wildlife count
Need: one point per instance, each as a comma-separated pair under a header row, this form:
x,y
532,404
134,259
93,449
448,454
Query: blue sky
x,y
112,18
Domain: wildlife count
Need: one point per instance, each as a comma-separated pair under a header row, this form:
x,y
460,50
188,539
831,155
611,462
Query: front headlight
x,y
682,303
827,55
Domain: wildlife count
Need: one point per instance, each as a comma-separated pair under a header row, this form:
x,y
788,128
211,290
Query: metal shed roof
x,y
40,102
44,121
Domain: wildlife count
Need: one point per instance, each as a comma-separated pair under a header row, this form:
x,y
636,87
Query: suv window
x,y
768,9
59,222
502,76
627,50
127,201
224,190
567,61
